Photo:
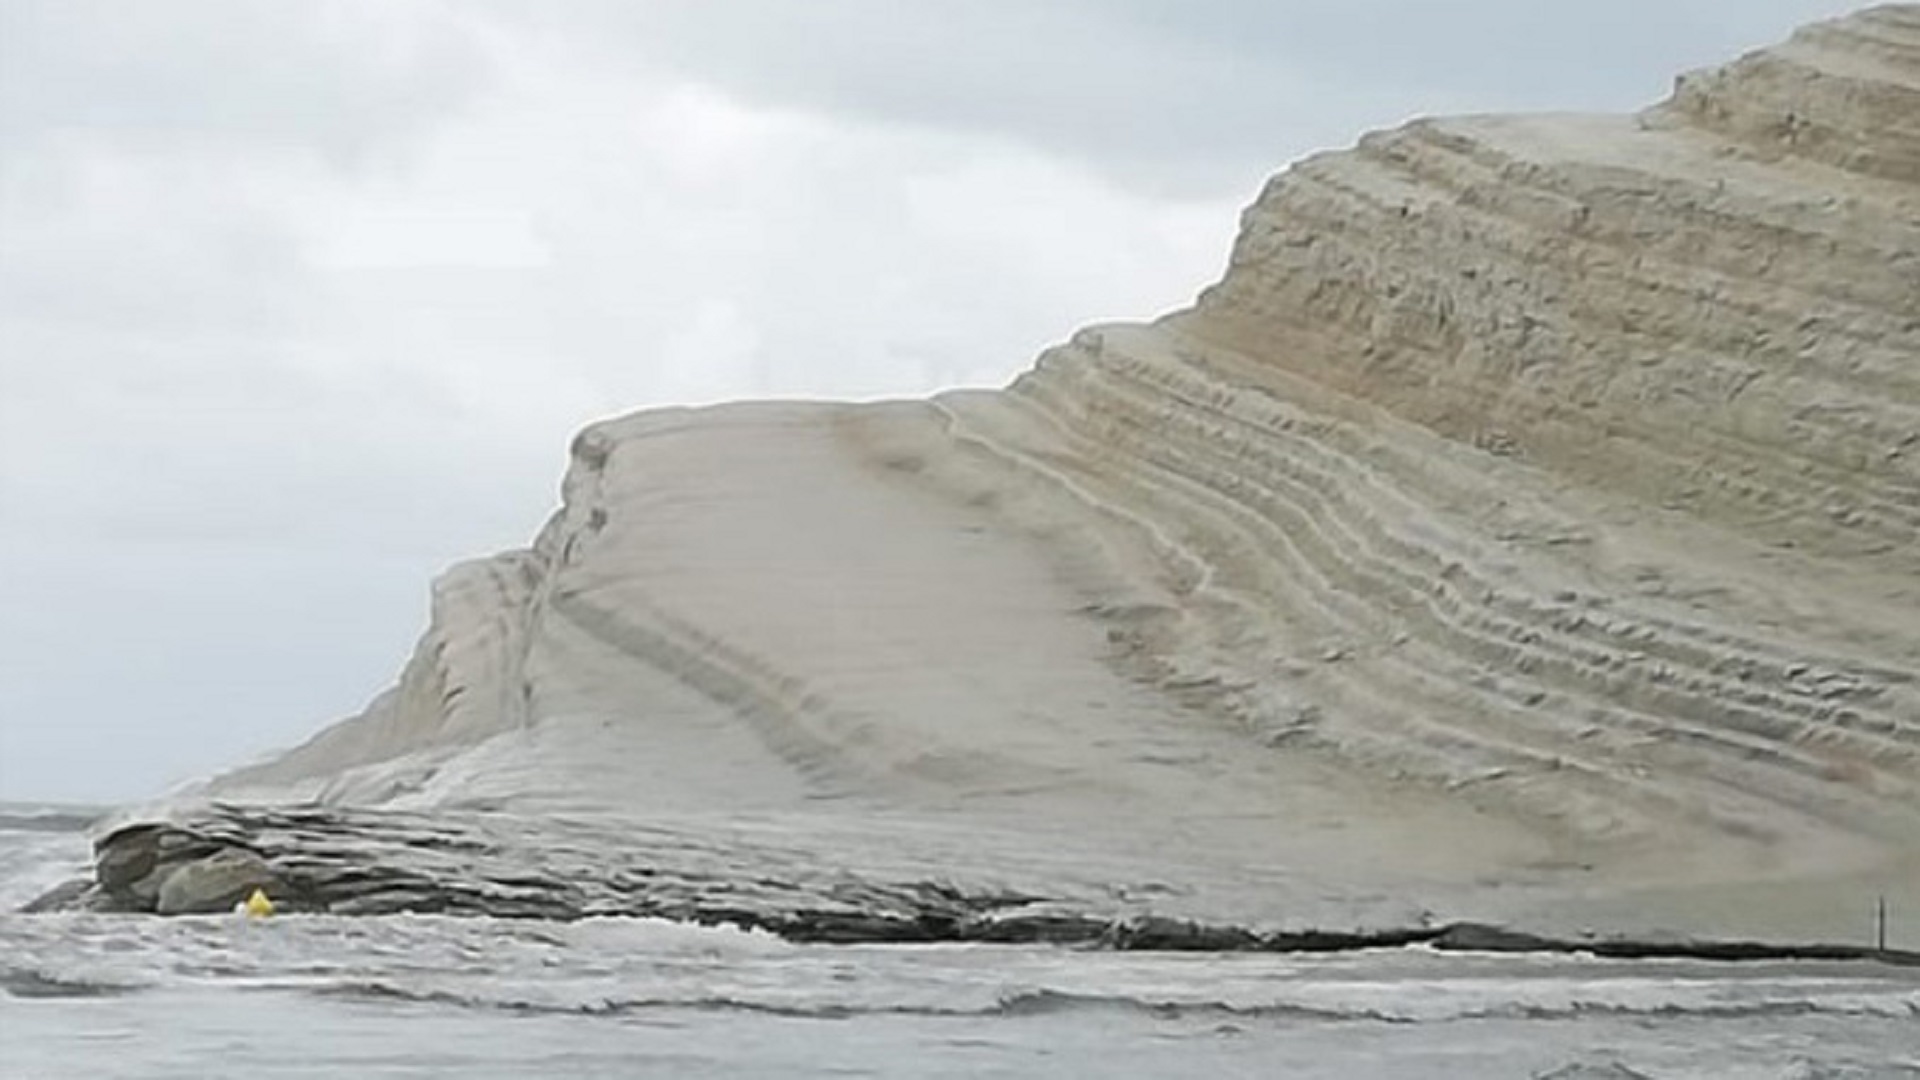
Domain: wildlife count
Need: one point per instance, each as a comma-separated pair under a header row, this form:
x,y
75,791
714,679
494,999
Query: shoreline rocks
x,y
376,863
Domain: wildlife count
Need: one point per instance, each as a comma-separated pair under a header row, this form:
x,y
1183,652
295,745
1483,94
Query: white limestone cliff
x,y
1534,502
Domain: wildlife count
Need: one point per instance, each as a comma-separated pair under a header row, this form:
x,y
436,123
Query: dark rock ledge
x,y
354,862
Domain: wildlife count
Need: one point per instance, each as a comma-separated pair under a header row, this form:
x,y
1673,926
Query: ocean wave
x,y
1814,1070
1035,1003
45,821
35,861
379,990
1048,1003
31,983
621,966
1051,1002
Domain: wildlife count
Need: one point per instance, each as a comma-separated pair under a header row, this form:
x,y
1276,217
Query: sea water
x,y
104,997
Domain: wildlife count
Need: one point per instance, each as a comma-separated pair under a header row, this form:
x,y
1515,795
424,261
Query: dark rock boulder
x,y
214,883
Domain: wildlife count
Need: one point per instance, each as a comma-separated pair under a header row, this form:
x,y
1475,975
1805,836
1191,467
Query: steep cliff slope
x,y
1535,501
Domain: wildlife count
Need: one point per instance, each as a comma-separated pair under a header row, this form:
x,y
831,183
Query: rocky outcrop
x,y
1584,451
377,862
1588,443
1534,502
373,862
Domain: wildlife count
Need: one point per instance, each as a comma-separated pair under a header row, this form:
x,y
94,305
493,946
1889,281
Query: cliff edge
x,y
1528,519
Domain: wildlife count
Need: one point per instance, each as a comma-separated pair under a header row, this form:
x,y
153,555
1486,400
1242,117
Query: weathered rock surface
x,y
381,862
213,883
1534,504
825,882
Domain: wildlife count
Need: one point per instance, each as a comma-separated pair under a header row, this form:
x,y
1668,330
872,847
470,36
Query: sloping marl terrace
x,y
1530,511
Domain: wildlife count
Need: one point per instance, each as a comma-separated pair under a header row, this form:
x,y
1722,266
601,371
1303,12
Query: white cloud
x,y
254,376
415,232
345,80
1169,96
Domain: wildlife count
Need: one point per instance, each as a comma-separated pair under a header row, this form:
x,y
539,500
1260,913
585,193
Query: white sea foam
x,y
382,996
40,848
626,965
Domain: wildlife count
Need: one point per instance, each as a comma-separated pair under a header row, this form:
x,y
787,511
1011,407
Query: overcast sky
x,y
300,302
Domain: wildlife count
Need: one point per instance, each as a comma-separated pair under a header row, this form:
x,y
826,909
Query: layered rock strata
x,y
383,862
1534,504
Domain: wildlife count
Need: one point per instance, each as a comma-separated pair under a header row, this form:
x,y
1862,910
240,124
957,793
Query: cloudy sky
x,y
300,302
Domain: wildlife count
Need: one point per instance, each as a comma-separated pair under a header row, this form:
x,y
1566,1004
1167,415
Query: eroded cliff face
x,y
1613,422
1534,499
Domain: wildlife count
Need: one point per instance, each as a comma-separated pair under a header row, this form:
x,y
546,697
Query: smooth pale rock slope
x,y
1527,526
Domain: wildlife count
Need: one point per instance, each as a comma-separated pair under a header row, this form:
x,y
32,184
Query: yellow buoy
x,y
258,906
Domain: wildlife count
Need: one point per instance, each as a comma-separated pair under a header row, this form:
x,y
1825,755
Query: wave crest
x,y
30,983
1048,1002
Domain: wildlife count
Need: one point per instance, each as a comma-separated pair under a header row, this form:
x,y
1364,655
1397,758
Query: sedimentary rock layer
x,y
373,862
1535,500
